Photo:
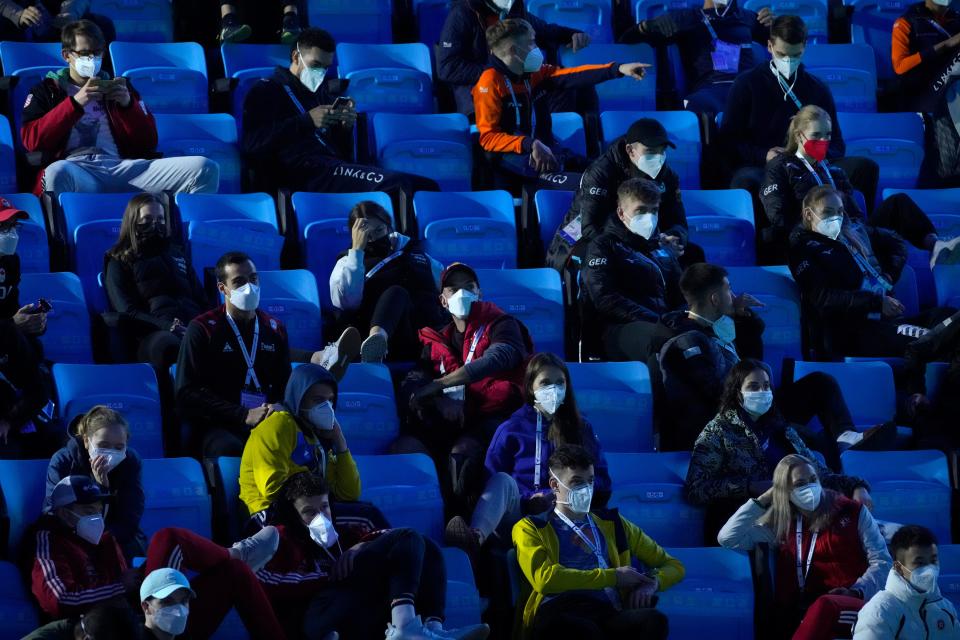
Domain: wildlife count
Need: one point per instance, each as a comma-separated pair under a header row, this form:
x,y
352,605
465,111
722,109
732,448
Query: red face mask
x,y
816,149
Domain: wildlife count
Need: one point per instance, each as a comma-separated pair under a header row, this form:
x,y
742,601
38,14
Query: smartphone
x,y
43,306
342,102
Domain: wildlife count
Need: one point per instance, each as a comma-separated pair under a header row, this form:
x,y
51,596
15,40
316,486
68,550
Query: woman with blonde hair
x,y
830,556
803,166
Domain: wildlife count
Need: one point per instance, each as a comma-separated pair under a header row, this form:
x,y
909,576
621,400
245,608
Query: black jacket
x,y
9,286
278,139
463,54
22,390
695,365
758,114
627,278
920,86
596,200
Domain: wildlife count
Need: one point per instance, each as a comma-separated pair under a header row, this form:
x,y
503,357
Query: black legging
x,y
394,312
160,349
594,618
817,394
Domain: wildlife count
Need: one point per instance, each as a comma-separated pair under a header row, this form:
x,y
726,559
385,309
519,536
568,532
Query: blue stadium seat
x,y
867,387
721,222
568,131
552,206
622,93
247,63
430,16
908,487
894,140
649,9
217,223
617,399
463,599
67,338
434,145
872,24
534,297
406,490
648,491
950,571
171,77
228,472
130,389
479,226
589,16
934,375
176,496
213,135
32,248
775,288
934,202
813,12
292,296
322,223
367,409
849,70
396,78
8,167
905,290
947,279
29,63
23,484
18,616
714,598
361,21
682,128
138,20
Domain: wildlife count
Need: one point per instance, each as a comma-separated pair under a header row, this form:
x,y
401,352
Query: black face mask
x,y
152,238
380,246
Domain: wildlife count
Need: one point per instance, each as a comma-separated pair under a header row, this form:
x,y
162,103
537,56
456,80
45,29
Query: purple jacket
x,y
513,450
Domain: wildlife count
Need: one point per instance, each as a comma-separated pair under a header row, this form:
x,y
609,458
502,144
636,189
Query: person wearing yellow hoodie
x,y
582,579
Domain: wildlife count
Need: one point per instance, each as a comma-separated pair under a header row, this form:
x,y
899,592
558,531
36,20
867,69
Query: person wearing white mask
x,y
630,278
98,131
579,564
511,100
911,604
829,554
516,462
100,450
29,319
924,45
165,597
642,152
468,381
736,452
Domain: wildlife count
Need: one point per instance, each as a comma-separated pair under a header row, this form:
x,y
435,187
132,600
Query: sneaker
x,y
336,357
945,252
232,30
459,534
415,630
291,28
374,349
472,632
881,437
258,549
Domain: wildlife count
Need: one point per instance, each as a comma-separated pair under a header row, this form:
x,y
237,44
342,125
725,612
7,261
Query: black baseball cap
x,y
649,133
455,267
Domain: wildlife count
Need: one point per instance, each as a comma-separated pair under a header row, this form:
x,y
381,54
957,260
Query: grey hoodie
x,y
301,379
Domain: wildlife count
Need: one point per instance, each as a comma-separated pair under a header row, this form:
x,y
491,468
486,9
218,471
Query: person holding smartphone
x,y
31,318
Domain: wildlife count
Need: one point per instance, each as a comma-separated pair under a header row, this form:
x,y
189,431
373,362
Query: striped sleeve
x,y
60,592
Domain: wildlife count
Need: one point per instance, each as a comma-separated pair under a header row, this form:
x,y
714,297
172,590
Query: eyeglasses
x,y
83,54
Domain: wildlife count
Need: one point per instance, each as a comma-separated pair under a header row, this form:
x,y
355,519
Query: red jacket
x,y
49,116
838,559
69,574
490,396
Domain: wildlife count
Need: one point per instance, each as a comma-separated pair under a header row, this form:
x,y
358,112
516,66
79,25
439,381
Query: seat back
x,y
138,20
949,556
18,615
534,297
648,491
171,76
67,338
934,202
33,247
552,206
92,226
683,129
895,141
238,58
905,290
293,297
479,224
813,12
849,70
16,56
23,485
947,280
228,484
405,488
395,78
434,145
176,496
212,135
130,389
463,599
622,93
908,487
721,222
867,387
649,9
617,399
8,166
589,16
367,408
872,24
362,21
568,131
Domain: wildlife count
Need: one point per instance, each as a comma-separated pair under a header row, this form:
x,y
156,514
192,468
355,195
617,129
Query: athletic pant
x,y
829,617
586,618
498,508
103,174
817,394
395,312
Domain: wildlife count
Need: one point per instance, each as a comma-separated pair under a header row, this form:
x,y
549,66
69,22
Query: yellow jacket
x,y
538,555
268,462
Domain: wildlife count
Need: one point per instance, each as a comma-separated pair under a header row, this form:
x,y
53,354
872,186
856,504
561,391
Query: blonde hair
x,y
806,115
781,514
97,418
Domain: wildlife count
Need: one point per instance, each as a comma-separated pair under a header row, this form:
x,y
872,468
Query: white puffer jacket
x,y
901,612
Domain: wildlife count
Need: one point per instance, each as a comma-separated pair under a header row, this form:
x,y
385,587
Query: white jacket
x,y
348,275
901,612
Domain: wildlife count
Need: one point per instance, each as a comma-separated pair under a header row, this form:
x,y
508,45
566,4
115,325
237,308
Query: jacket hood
x,y
902,590
302,378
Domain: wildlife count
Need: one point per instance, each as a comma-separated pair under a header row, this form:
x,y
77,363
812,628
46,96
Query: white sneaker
x,y
472,632
415,630
258,549
337,356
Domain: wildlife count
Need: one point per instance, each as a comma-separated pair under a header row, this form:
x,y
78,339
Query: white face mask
x,y
113,456
787,66
942,3
725,329
643,225
830,227
578,499
87,66
321,416
757,403
503,6
90,528
550,397
459,303
8,242
650,163
533,61
807,497
246,298
322,531
172,619
924,578
311,77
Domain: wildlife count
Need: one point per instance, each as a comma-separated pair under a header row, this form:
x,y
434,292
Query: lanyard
x,y
706,22
380,265
867,269
539,453
516,106
939,28
248,358
601,560
473,345
816,176
299,106
787,91
803,571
